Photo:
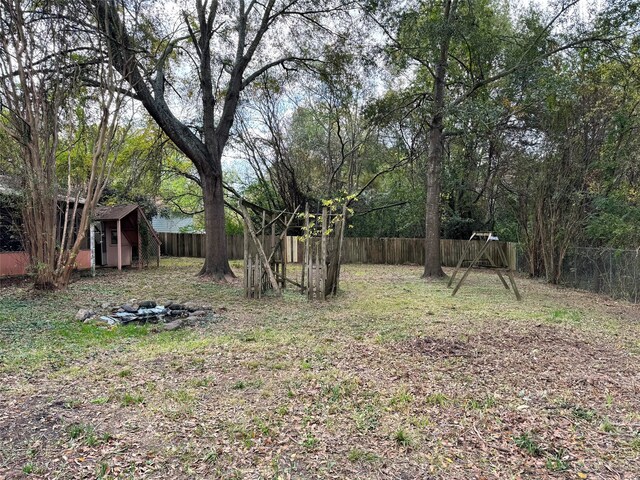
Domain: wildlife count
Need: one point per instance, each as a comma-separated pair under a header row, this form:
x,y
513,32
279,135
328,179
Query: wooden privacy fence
x,y
390,251
193,245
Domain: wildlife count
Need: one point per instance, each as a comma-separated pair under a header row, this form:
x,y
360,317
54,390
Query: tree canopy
x,y
437,117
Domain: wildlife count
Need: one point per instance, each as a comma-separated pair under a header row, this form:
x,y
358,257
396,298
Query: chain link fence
x,y
609,271
149,250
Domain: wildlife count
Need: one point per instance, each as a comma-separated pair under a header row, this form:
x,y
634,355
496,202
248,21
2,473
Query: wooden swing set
x,y
266,254
483,259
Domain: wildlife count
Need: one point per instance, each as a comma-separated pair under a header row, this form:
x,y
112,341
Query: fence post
x,y
610,271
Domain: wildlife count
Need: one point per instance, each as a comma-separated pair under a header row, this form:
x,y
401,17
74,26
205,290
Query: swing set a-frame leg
x,y
471,265
467,248
510,275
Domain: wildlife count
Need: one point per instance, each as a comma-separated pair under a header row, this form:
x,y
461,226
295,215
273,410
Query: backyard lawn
x,y
394,378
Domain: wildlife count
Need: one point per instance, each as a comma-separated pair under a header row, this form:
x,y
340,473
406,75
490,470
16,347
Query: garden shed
x,y
124,237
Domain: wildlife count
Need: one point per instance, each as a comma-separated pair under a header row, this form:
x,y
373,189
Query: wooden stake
x,y
139,240
262,229
261,254
306,247
340,240
246,261
249,277
323,252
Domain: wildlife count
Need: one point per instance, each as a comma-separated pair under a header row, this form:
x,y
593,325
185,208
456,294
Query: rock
x,y
105,305
147,304
83,314
129,308
175,306
192,307
173,325
178,313
221,310
126,317
198,313
108,320
151,312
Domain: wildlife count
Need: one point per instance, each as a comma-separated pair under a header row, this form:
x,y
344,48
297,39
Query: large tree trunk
x,y
432,261
216,264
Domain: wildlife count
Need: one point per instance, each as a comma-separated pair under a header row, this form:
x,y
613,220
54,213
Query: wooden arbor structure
x,y
265,251
484,260
323,252
265,258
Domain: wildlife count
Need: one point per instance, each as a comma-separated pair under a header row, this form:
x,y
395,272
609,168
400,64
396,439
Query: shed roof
x,y
117,212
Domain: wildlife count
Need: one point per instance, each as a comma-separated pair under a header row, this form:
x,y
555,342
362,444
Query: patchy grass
x,y
403,438
358,455
558,461
394,378
131,399
528,443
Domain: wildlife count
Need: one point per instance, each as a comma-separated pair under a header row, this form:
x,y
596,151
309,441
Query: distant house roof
x,y
9,185
171,224
113,213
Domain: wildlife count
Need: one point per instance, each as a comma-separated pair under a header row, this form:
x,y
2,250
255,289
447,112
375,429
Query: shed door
x,y
103,244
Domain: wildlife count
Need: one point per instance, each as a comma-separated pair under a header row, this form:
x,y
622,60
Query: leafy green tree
x,y
219,49
38,87
310,138
456,51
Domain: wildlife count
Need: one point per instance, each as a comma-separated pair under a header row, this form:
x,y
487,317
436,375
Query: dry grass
x,y
392,379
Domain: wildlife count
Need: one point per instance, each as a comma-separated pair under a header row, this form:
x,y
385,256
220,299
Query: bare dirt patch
x,y
437,347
